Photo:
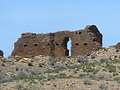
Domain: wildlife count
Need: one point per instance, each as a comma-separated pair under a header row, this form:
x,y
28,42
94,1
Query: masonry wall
x,y
1,54
55,44
31,44
117,45
51,44
85,41
61,39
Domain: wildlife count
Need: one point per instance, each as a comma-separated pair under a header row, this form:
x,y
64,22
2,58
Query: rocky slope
x,y
98,71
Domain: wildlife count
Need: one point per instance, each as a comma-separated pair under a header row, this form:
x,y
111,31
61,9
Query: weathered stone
x,y
85,41
105,53
1,54
118,45
55,44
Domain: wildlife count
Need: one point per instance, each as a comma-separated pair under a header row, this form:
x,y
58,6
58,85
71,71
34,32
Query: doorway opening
x,y
69,45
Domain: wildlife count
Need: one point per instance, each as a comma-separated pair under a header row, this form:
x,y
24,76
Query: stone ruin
x,y
1,54
117,45
83,42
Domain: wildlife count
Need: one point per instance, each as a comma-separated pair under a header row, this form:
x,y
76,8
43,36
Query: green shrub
x,y
111,68
117,79
87,82
103,86
30,64
83,75
62,75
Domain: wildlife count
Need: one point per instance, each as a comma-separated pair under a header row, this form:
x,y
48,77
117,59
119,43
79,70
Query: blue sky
x,y
41,16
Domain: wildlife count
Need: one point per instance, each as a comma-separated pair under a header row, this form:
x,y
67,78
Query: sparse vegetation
x,y
87,82
97,70
103,86
117,79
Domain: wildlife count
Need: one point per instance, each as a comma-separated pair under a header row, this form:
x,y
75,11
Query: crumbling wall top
x,y
28,34
55,44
